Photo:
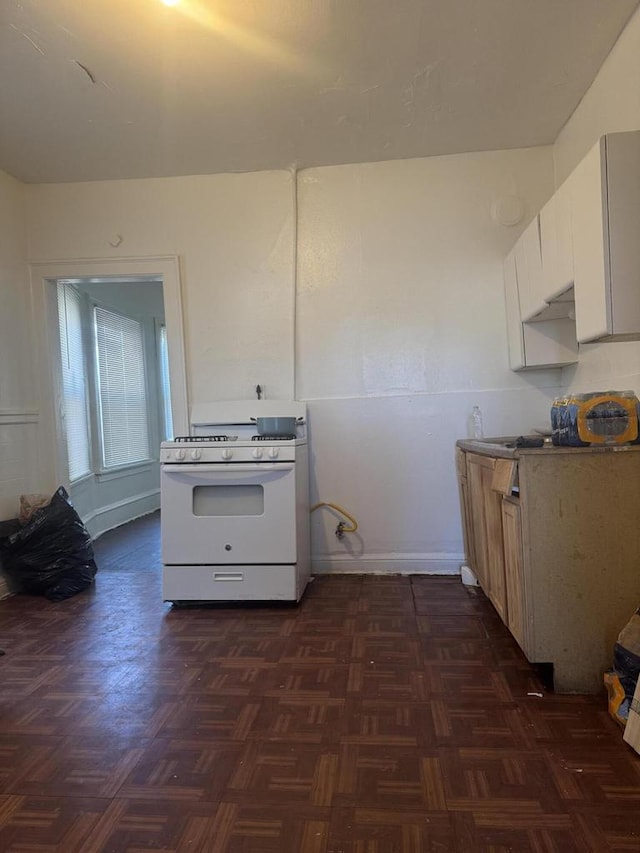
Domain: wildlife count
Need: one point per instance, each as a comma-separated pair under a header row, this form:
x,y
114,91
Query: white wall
x,y
18,412
400,323
400,318
18,406
401,330
611,104
234,235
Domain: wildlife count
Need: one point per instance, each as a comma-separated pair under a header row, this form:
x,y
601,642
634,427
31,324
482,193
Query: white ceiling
x,y
235,85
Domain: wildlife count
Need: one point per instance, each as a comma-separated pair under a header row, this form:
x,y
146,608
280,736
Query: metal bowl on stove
x,y
276,426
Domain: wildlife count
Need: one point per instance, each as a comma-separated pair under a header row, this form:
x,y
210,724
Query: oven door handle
x,y
230,468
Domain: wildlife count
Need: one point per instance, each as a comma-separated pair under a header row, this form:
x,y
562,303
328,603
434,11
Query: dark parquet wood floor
x,y
382,715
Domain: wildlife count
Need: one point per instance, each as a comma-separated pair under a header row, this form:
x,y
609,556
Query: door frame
x,y
52,456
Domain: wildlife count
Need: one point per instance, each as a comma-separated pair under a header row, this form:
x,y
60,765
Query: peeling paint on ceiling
x,y
237,85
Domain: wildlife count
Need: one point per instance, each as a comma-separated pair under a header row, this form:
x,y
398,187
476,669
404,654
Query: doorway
x,y
113,383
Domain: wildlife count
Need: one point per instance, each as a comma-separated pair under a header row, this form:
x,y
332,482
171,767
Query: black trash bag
x,y
52,554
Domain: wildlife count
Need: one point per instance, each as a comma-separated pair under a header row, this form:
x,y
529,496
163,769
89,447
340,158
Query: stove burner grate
x,y
272,437
195,438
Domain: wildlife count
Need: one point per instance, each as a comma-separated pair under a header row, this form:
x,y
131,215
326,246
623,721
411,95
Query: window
x,y
74,381
122,395
165,388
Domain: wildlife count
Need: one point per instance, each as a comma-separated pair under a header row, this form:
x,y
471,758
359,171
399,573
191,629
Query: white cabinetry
x,y
605,221
550,343
544,261
531,284
574,274
557,245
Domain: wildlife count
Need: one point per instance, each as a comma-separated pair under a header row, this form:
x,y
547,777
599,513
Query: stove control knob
x,y
226,454
196,454
273,453
257,453
180,454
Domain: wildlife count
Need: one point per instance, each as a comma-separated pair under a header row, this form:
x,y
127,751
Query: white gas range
x,y
235,506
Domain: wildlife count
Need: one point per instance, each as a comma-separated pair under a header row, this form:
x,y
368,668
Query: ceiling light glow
x,y
170,2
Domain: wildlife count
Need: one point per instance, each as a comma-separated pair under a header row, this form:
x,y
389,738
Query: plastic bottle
x,y
476,418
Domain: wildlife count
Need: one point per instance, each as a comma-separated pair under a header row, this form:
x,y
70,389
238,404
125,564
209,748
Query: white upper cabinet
x,y
551,343
530,271
557,243
574,274
544,258
605,224
515,338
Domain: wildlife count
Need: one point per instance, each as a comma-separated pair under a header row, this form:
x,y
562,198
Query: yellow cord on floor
x,y
345,529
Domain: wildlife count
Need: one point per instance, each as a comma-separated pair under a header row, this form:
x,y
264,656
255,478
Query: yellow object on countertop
x,y
601,417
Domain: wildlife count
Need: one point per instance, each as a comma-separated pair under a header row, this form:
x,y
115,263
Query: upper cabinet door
x,y
623,196
562,277
589,222
605,219
534,345
557,243
529,255
515,338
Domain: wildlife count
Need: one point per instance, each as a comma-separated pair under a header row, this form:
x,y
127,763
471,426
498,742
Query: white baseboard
x,y
397,564
107,517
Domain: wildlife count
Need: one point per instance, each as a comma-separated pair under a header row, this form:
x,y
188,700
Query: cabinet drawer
x,y
230,583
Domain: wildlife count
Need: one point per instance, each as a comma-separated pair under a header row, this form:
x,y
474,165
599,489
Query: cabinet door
x,y
532,296
551,343
515,339
514,571
465,508
467,529
495,545
486,515
605,219
556,243
590,246
563,274
475,467
623,206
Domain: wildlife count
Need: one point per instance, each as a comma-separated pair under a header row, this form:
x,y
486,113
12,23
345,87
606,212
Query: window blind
x,y
74,381
122,396
165,388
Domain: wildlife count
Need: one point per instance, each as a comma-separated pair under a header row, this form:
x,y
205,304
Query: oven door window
x,y
228,500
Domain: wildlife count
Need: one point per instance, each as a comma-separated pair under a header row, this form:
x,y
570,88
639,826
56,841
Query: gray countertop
x,y
498,447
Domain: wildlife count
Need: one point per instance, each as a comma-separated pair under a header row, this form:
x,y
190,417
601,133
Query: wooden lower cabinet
x,y
560,561
486,529
517,620
465,513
